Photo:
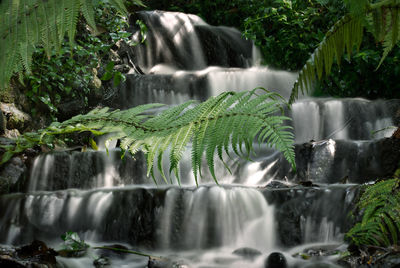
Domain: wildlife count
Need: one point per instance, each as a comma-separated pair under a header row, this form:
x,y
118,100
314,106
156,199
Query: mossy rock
x,y
16,119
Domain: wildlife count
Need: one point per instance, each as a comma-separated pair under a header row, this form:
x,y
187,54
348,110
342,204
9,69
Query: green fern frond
x,y
72,14
228,121
25,24
380,225
88,12
344,36
381,18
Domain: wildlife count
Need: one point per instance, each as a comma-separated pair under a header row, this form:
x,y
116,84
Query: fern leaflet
x,y
230,120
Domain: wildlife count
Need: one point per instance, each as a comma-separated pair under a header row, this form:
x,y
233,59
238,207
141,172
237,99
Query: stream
x,y
258,209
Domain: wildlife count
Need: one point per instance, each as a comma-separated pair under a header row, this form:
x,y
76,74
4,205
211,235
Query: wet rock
x,y
276,185
276,260
159,262
2,123
35,255
113,251
247,253
378,259
5,261
101,262
16,119
320,265
12,175
71,253
37,251
162,262
308,184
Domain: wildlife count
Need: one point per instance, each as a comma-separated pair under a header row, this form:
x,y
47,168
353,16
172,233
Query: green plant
x,y
26,24
69,73
378,17
288,31
74,245
230,120
72,242
380,224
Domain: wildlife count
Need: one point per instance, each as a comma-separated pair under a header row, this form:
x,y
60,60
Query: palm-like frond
x,y
380,18
380,225
230,120
25,24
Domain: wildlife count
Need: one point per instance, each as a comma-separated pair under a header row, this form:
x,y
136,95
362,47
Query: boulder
x,y
37,254
12,175
3,123
16,119
276,260
247,253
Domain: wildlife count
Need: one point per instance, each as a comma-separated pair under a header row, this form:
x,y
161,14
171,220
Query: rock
x,y
3,123
12,175
378,259
108,251
12,133
6,262
101,262
307,184
276,185
16,119
159,262
320,265
247,253
35,255
70,108
162,262
276,260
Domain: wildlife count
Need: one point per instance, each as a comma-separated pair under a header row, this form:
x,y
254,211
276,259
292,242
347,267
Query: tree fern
x,y
380,225
379,17
25,24
230,120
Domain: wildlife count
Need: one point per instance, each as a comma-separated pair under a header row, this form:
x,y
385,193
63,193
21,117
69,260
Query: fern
x,y
380,18
380,225
230,120
25,24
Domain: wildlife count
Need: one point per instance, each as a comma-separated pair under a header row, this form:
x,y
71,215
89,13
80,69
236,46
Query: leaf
x,y
239,116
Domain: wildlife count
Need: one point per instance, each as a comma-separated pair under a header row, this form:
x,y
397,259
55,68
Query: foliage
x,y
359,77
26,24
72,242
69,73
378,17
228,120
288,31
380,225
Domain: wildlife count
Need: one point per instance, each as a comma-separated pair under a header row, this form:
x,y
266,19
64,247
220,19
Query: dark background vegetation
x,y
287,32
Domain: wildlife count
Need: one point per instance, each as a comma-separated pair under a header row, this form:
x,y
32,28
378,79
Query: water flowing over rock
x,y
261,208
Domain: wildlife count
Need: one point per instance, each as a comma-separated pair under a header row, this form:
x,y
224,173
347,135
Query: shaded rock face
x,y
16,119
312,214
85,170
130,216
161,88
36,254
345,161
247,253
2,123
188,43
12,175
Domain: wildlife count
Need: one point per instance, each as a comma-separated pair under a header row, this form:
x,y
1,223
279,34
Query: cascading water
x,y
109,200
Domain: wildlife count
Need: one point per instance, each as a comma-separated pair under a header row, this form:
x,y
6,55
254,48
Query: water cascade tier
x,y
261,206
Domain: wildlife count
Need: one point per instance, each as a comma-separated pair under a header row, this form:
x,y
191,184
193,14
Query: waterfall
x,y
258,204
